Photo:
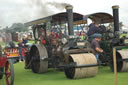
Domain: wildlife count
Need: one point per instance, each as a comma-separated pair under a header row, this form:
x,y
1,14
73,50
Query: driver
x,y
94,30
96,47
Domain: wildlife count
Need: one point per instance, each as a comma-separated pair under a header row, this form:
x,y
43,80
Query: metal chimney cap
x,y
69,7
115,7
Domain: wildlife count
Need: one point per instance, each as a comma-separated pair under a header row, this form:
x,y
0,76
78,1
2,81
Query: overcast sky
x,y
13,11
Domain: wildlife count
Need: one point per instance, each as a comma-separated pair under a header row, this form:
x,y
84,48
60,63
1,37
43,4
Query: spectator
x,y
8,37
11,44
25,40
20,46
82,35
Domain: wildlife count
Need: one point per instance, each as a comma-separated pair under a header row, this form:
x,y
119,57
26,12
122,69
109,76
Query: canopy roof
x,y
100,17
55,19
61,18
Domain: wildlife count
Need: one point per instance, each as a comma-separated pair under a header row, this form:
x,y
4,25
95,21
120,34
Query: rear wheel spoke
x,y
9,73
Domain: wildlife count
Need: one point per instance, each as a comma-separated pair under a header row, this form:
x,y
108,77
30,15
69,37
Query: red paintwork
x,y
14,52
3,61
7,74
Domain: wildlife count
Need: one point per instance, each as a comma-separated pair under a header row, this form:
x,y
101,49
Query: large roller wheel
x,y
38,53
86,58
9,73
122,66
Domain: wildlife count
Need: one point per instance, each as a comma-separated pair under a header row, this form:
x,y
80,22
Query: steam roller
x,y
80,65
120,44
62,51
84,66
122,60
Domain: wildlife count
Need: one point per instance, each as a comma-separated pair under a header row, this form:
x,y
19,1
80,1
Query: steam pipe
x,y
116,18
70,19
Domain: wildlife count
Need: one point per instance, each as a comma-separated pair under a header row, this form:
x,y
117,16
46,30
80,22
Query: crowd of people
x,y
6,37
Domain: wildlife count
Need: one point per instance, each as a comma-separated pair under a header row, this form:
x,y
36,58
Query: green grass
x,y
52,77
3,43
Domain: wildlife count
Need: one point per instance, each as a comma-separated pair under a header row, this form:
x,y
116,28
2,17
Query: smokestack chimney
x,y
116,18
70,19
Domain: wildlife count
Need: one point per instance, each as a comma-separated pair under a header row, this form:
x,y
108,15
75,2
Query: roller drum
x,y
122,65
124,55
80,59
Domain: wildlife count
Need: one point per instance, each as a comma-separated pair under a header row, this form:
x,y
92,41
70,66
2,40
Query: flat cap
x,y
98,36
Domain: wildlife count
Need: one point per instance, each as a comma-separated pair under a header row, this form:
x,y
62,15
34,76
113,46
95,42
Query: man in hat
x,y
25,40
94,30
96,47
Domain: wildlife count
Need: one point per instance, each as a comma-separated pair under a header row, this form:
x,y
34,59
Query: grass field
x,y
52,77
3,43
